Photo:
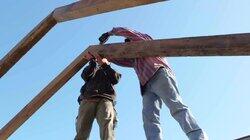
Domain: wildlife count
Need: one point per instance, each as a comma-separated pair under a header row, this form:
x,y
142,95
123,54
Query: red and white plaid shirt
x,y
145,68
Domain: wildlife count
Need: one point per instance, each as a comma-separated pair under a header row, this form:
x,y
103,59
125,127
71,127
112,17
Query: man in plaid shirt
x,y
158,85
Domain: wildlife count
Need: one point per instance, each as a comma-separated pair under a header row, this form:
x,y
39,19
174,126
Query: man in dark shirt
x,y
97,100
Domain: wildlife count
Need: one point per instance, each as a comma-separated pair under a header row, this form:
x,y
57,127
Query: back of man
x,y
158,86
97,101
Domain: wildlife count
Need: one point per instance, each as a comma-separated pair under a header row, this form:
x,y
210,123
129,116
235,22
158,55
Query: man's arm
x,y
128,33
88,71
124,62
125,32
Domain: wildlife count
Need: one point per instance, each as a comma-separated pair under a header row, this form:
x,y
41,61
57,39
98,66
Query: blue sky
x,y
215,88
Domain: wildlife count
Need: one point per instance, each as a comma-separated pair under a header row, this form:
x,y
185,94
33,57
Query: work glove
x,y
104,37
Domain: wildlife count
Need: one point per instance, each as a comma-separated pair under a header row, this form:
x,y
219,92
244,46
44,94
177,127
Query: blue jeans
x,y
162,88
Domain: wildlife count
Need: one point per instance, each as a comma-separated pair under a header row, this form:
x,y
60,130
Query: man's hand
x,y
104,38
103,61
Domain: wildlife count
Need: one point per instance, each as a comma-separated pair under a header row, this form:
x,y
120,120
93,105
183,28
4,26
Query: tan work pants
x,y
101,109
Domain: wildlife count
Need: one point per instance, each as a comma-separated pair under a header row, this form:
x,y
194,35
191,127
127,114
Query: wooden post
x,y
85,8
26,44
42,97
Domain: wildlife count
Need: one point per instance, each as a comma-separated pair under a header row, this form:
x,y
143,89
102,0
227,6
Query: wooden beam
x,y
26,44
84,8
220,45
42,97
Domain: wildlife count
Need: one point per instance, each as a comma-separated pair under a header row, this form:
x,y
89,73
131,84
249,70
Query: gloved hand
x,y
104,37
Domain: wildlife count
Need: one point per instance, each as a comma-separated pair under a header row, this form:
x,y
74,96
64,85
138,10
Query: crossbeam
x,y
82,8
219,45
222,45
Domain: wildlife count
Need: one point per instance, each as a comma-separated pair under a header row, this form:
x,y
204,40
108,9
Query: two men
x,y
158,86
97,99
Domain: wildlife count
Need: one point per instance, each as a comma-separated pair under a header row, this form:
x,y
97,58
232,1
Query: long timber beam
x,y
219,45
82,8
16,53
222,45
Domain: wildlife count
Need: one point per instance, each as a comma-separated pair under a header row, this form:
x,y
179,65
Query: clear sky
x,y
215,88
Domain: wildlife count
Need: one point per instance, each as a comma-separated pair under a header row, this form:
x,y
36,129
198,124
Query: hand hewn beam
x,y
85,8
220,45
42,97
26,44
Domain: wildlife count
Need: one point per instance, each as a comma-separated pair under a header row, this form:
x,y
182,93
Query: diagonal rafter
x,y
222,45
16,53
72,11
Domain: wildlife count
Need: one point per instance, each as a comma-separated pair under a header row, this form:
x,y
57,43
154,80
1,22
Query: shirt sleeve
x,y
124,62
88,71
128,33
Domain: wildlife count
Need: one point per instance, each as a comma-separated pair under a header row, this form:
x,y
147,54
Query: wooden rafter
x,y
42,97
222,45
72,11
12,57
85,8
